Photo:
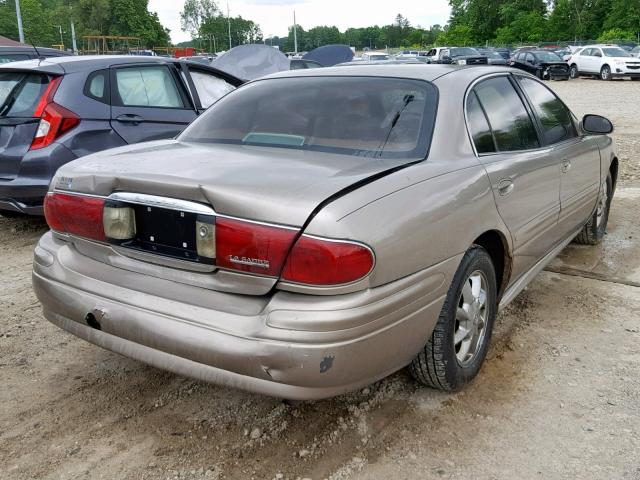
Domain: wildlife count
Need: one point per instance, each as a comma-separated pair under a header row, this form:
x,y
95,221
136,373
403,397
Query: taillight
x,y
325,262
252,247
75,214
55,120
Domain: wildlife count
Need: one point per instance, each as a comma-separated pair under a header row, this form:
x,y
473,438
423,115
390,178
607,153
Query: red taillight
x,y
75,214
55,120
252,247
317,261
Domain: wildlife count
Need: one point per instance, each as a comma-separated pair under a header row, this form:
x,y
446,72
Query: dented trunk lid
x,y
273,185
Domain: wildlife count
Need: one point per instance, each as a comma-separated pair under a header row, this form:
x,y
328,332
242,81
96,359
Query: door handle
x,y
129,118
505,187
566,166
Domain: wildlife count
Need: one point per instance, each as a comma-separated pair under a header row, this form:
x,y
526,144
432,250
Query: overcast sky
x,y
275,16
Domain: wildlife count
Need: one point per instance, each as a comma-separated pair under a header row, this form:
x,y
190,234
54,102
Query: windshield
x,y
20,93
548,57
615,52
464,52
364,116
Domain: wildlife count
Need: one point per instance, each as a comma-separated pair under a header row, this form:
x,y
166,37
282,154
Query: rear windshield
x,y
364,116
548,57
20,93
464,52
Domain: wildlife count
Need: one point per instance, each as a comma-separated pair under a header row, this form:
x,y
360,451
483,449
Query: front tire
x,y
594,230
605,73
458,345
573,71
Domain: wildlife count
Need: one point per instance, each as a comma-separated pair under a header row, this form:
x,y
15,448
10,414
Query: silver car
x,y
315,231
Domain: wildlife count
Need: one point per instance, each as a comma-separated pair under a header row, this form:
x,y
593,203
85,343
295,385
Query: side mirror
x,y
596,124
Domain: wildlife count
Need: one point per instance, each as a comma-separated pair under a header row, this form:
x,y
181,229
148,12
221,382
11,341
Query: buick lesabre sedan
x,y
315,231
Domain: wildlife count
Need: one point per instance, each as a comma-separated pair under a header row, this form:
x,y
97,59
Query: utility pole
x,y
295,33
73,38
61,39
229,24
19,15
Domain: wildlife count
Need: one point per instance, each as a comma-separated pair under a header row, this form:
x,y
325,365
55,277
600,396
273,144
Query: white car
x,y
373,56
605,61
408,54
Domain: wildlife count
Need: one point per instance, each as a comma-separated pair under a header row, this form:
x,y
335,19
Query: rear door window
x,y
555,117
20,93
479,126
147,87
510,122
97,86
209,87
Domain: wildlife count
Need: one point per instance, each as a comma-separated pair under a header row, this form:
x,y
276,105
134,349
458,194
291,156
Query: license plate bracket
x,y
167,232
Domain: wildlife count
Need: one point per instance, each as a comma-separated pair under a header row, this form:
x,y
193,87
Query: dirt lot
x,y
558,397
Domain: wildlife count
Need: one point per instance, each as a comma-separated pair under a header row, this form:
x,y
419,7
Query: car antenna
x,y
40,57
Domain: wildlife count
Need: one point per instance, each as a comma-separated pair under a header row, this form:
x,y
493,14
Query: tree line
x,y
43,19
532,21
472,22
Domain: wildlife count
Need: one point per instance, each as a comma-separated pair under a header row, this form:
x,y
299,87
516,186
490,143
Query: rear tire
x,y
595,229
573,71
458,345
11,214
605,73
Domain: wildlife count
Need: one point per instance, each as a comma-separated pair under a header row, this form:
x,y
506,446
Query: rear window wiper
x,y
406,101
12,97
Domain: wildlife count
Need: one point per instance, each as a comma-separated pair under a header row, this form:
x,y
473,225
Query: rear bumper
x,y
25,193
286,345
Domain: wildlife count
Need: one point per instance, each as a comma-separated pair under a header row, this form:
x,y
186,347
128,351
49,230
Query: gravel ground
x,y
558,397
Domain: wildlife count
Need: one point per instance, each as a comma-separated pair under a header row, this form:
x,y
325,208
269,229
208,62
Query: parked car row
x,y
61,108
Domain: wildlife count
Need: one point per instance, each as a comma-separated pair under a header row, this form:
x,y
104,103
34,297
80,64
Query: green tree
x,y
624,15
614,34
195,13
458,35
526,27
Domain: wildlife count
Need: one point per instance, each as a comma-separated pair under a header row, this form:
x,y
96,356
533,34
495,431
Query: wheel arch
x,y
495,243
613,169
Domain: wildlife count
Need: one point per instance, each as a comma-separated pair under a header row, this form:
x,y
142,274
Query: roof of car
x,y
72,64
602,45
30,49
428,72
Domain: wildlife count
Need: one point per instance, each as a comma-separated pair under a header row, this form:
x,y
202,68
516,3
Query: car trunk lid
x,y
267,184
256,192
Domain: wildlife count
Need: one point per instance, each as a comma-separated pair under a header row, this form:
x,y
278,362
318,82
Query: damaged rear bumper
x,y
287,345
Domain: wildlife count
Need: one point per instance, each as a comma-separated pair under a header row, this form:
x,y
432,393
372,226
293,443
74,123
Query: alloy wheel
x,y
471,318
601,211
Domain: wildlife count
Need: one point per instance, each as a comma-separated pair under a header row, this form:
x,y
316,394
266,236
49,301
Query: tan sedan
x,y
315,231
